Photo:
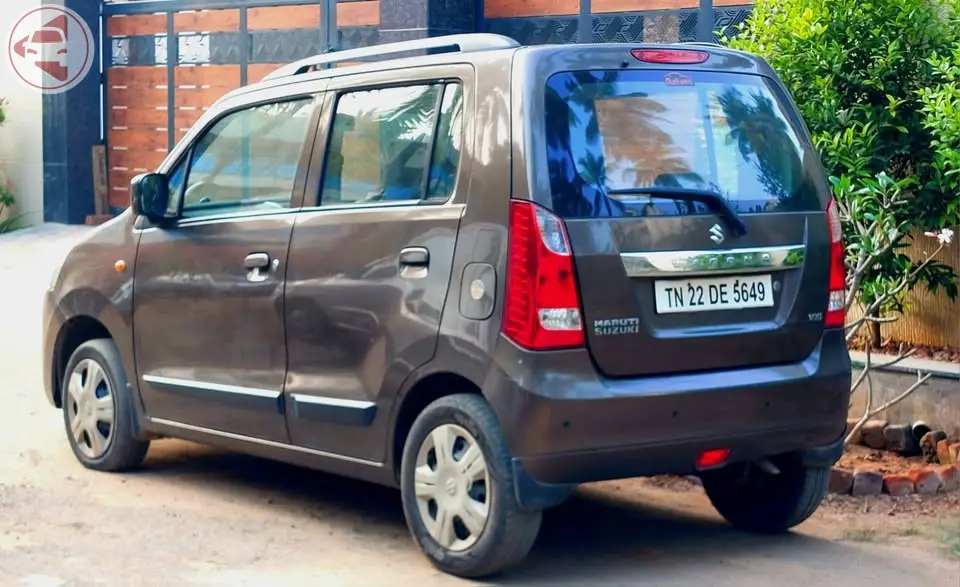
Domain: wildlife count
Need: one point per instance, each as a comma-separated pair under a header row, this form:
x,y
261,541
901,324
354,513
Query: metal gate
x,y
619,21
166,61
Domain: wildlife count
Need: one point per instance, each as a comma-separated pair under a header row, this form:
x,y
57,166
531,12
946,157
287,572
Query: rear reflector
x,y
542,305
669,55
712,458
836,304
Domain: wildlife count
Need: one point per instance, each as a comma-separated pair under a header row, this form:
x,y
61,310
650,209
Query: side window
x,y
247,161
393,145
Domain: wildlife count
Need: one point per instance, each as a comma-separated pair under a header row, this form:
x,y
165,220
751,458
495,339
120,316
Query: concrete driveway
x,y
198,516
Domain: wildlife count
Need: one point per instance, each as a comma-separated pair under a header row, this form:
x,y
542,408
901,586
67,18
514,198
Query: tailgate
x,y
667,284
659,297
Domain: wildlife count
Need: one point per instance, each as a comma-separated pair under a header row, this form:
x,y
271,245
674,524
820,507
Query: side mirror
x,y
150,197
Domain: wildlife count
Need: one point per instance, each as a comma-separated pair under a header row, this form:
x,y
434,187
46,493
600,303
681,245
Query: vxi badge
x,y
615,326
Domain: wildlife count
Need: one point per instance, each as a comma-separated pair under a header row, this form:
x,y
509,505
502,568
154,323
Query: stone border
x,y
917,439
922,481
942,475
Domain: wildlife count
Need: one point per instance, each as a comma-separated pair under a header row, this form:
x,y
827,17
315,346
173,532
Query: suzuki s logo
x,y
716,233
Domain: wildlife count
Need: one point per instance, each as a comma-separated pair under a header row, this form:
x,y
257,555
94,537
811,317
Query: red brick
x,y
949,478
873,433
897,437
898,485
841,481
925,481
867,483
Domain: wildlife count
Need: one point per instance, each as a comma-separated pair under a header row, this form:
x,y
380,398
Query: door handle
x,y
258,265
414,257
256,261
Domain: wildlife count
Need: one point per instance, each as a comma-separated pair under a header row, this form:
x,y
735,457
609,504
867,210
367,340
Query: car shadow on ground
x,y
594,538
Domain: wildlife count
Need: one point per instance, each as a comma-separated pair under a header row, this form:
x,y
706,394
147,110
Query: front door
x,y
370,262
208,295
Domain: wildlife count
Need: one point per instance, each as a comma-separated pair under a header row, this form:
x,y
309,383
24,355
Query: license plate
x,y
713,293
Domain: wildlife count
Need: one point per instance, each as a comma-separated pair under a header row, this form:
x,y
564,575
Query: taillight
x,y
542,306
669,55
836,313
709,459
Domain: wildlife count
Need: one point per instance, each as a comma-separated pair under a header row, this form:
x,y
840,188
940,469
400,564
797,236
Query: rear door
x,y
372,253
667,284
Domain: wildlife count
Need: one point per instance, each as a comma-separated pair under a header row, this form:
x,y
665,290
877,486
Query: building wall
x,y
21,137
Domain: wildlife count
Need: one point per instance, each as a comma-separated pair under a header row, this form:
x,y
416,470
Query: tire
x,y
118,448
756,501
508,532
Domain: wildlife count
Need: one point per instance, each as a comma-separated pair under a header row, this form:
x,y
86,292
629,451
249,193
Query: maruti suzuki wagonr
x,y
483,273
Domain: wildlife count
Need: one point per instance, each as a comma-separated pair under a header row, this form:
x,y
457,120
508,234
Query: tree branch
x,y
866,411
921,379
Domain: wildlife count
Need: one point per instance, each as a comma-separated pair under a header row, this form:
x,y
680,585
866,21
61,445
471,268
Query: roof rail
x,y
465,43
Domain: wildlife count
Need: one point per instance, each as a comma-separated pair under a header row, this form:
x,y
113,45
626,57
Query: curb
x,y
933,480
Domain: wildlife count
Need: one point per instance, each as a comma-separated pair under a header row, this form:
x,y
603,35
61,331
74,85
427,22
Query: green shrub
x,y
882,109
941,118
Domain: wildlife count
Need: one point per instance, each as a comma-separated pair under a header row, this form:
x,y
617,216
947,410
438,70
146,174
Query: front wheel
x,y
759,501
98,409
457,490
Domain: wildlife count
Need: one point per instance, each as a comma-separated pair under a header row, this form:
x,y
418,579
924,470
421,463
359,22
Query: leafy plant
x,y
8,220
940,116
882,107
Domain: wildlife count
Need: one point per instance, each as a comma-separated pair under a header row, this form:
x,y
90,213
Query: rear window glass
x,y
610,134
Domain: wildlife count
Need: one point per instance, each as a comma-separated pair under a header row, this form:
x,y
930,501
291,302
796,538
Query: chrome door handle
x,y
258,265
414,262
257,261
414,257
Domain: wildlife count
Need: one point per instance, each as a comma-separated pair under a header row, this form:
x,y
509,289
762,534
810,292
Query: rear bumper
x,y
566,425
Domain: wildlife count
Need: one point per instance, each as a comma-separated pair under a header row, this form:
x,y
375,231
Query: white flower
x,y
944,237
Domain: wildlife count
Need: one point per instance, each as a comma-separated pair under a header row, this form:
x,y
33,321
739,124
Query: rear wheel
x,y
98,411
759,501
457,490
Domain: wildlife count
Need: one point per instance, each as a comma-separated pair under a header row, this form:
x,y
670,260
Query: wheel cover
x,y
90,408
451,483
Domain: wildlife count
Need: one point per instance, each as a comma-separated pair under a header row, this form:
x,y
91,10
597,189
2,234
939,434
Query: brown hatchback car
x,y
483,274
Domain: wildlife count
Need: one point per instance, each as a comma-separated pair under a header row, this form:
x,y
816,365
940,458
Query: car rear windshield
x,y
612,134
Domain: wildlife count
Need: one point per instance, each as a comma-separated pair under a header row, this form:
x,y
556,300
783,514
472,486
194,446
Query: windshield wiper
x,y
714,202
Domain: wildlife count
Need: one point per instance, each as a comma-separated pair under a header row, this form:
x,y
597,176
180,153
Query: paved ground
x,y
196,516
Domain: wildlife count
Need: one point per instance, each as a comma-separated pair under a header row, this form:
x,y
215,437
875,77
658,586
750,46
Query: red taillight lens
x,y
669,55
542,306
712,458
836,305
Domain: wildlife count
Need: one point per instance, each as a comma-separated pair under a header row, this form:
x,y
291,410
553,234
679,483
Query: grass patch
x,y
907,531
950,532
859,534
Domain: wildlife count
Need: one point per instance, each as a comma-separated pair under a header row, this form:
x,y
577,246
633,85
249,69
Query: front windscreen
x,y
613,133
